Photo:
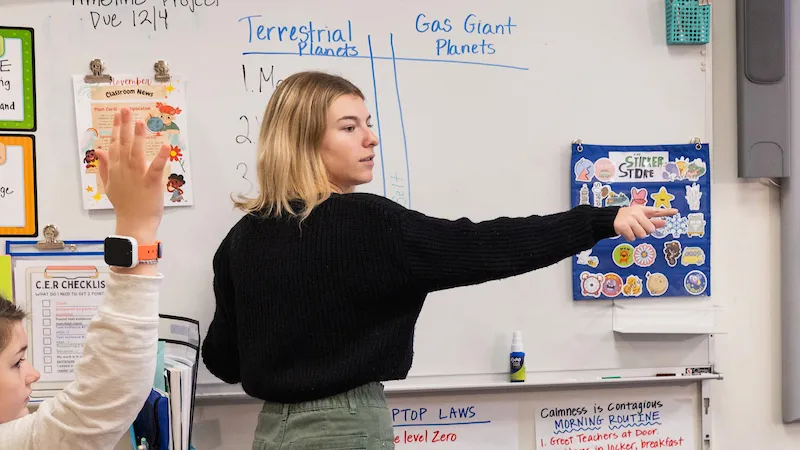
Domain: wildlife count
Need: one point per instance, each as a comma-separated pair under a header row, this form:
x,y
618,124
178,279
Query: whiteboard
x,y
481,135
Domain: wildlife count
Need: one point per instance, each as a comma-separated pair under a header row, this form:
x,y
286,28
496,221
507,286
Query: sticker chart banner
x,y
161,106
671,262
17,79
616,422
446,425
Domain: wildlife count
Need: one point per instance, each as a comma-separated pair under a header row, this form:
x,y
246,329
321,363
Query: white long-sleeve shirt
x,y
113,378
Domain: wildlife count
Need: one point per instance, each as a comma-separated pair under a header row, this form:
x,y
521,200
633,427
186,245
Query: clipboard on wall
x,y
60,284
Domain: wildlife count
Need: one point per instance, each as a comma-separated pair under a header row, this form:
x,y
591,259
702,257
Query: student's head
x,y
315,139
16,373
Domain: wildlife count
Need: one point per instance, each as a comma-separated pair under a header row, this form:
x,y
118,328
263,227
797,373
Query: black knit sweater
x,y
305,312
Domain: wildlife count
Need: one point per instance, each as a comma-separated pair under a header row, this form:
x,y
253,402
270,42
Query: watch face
x,y
118,252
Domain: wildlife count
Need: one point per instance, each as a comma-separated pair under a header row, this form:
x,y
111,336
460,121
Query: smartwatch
x,y
125,251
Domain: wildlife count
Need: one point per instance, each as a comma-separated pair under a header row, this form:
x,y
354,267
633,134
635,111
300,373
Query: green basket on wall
x,y
688,22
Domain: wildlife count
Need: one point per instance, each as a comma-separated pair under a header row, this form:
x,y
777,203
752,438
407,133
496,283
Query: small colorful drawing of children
x,y
174,183
91,160
167,113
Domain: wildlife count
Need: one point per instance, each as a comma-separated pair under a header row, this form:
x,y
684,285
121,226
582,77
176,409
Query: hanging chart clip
x,y
97,67
162,72
50,242
580,144
696,141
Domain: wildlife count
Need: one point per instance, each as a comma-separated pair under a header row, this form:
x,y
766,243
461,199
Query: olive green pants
x,y
355,420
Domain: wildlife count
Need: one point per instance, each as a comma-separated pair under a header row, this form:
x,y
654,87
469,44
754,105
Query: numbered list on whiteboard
x,y
616,423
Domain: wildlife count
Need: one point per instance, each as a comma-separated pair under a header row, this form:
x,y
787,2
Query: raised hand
x,y
133,186
636,221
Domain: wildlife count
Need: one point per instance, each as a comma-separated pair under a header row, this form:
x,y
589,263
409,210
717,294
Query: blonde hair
x,y
289,164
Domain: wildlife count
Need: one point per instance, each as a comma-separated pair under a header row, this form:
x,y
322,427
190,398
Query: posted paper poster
x,y
162,107
6,275
18,200
17,79
62,298
674,260
616,422
479,425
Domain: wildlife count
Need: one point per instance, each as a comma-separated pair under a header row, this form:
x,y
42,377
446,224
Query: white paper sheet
x,y
62,298
616,422
478,425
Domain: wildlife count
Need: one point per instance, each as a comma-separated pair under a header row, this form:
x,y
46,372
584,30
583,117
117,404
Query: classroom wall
x,y
747,402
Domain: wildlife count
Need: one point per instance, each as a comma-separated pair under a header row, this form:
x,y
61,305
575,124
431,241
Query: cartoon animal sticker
x,y
695,170
671,172
695,282
585,259
614,199
662,198
632,287
591,284
638,197
644,255
693,255
584,195
672,250
584,170
696,225
623,255
693,196
657,284
604,170
612,285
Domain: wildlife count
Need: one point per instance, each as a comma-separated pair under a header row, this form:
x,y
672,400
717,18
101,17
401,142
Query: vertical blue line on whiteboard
x,y
377,113
402,122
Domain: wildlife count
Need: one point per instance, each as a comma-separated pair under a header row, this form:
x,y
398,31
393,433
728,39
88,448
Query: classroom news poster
x,y
160,105
674,260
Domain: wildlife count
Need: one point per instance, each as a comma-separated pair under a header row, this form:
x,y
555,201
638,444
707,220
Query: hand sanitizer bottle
x,y
517,358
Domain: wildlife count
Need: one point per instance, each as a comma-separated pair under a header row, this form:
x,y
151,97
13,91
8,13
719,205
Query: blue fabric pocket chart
x,y
674,260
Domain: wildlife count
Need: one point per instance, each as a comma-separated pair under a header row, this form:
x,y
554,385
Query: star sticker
x,y
97,197
89,189
662,198
169,88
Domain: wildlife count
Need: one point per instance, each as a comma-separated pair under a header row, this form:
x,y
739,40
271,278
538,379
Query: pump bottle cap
x,y
516,342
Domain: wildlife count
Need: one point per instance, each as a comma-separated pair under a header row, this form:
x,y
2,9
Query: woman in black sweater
x,y
318,288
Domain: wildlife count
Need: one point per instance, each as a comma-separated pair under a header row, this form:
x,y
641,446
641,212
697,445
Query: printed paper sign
x,y
616,423
18,203
17,79
457,425
671,262
161,106
63,299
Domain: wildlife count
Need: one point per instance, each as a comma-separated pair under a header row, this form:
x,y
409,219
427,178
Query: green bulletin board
x,y
17,80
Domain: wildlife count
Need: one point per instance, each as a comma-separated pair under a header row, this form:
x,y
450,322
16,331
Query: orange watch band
x,y
150,252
